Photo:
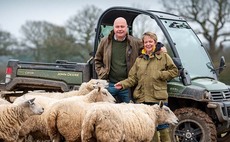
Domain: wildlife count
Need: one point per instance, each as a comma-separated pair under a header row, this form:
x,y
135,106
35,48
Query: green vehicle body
x,y
201,102
61,76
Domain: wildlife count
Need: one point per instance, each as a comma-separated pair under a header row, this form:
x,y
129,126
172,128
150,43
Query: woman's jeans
x,y
119,95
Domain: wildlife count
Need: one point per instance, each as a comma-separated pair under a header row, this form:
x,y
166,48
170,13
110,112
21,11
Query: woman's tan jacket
x,y
151,76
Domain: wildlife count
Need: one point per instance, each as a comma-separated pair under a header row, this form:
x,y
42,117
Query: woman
x,y
150,73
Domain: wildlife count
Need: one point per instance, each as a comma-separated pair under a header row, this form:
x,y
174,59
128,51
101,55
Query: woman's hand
x,y
118,85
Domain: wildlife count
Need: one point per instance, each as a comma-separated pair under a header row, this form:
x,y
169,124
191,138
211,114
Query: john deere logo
x,y
67,74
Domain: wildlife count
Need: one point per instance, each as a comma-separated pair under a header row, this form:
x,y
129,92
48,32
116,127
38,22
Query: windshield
x,y
193,56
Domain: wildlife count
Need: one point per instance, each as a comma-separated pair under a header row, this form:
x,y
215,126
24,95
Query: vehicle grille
x,y
220,96
226,111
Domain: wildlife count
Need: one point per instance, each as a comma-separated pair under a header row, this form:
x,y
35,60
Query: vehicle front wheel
x,y
194,126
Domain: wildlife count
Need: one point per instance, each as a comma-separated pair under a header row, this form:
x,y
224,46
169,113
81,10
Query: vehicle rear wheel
x,y
194,126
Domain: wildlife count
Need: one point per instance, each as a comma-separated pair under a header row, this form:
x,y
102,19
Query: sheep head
x,y
95,83
86,87
101,94
35,109
165,115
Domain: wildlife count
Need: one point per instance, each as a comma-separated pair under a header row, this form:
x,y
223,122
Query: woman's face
x,y
149,44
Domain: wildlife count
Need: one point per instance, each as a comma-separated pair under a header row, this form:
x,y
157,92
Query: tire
x,y
225,137
194,126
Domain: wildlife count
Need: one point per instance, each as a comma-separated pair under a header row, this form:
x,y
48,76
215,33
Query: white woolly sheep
x,y
124,122
35,124
13,115
85,88
65,117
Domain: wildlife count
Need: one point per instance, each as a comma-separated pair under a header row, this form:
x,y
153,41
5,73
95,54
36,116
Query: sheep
x,y
13,115
85,88
36,122
35,125
124,122
65,117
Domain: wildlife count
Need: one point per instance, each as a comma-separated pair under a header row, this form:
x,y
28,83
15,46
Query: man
x,y
115,56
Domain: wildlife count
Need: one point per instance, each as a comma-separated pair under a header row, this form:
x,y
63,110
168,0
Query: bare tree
x,y
83,24
7,42
34,36
49,42
211,16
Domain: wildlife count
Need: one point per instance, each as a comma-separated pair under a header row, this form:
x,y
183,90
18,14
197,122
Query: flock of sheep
x,y
87,114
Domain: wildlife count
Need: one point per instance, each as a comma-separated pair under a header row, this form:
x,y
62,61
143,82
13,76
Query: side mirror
x,y
185,77
222,64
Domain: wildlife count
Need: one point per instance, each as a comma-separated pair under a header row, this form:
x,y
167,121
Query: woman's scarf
x,y
146,55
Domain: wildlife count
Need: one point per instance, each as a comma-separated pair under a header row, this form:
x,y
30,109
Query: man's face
x,y
120,28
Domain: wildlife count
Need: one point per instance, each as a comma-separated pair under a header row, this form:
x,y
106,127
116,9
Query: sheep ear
x,y
99,89
95,86
31,101
161,104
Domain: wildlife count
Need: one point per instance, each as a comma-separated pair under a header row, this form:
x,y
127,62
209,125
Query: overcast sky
x,y
14,13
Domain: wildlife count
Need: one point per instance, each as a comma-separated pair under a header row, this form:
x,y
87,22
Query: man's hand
x,y
163,49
